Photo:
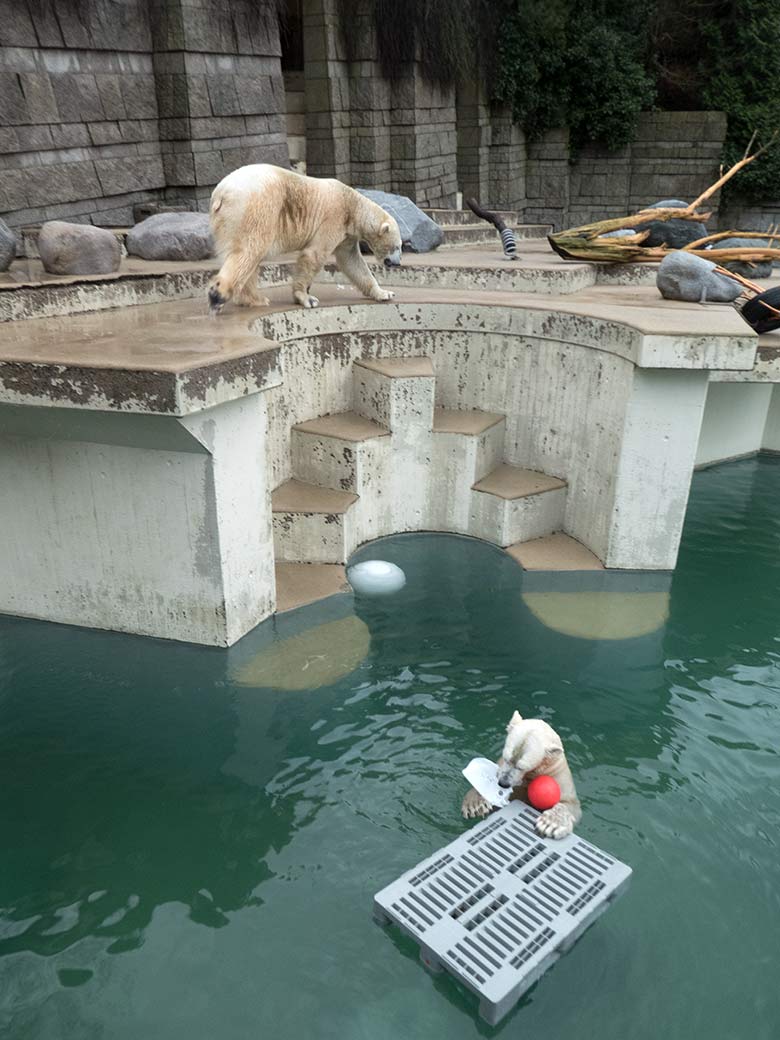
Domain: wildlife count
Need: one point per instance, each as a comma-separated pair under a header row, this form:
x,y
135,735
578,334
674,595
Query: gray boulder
x,y
673,233
620,233
757,270
419,233
78,248
172,236
7,246
683,276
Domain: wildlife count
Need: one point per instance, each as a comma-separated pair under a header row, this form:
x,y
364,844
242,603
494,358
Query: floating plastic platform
x,y
499,905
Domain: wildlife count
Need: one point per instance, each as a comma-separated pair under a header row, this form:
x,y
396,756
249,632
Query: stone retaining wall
x,y
87,131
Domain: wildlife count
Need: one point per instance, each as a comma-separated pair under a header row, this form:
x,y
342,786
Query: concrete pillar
x,y
508,163
547,180
657,454
139,523
734,423
424,141
220,92
473,121
327,92
771,436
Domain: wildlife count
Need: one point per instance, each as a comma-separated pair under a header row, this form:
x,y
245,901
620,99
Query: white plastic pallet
x,y
499,905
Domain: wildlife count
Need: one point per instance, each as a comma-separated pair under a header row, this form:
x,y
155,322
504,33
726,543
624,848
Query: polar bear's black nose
x,y
503,781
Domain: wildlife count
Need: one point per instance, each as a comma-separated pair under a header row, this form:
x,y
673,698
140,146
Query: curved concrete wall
x,y
567,384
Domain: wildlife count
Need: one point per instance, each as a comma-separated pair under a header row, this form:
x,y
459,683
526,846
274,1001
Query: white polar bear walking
x,y
532,748
260,211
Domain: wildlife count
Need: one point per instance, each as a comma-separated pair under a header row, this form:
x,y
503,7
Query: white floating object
x,y
482,774
499,905
376,578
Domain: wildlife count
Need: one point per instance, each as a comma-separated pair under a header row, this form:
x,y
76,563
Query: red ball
x,y
544,792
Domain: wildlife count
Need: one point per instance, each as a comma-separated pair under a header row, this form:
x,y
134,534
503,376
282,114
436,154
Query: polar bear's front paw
x,y
382,295
556,822
305,300
474,805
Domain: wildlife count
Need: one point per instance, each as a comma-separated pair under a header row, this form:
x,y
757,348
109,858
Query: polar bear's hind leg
x,y
237,278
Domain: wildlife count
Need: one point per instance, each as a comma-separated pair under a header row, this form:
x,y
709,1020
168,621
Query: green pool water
x,y
187,853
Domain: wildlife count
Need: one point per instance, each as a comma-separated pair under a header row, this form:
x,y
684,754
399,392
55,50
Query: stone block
x,y
8,245
48,185
223,95
139,97
111,96
77,97
256,95
133,173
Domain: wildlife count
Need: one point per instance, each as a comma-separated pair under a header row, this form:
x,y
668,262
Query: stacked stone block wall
x,y
87,130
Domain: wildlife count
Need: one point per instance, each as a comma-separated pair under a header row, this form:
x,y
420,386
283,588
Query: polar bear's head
x,y
385,242
530,744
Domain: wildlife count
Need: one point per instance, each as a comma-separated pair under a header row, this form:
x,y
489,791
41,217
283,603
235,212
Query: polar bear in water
x,y
533,748
258,212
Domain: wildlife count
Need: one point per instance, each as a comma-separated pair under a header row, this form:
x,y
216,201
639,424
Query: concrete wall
x,y
737,421
88,130
624,438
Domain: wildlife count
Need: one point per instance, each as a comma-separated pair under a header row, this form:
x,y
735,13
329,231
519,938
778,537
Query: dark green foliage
x,y
741,43
576,63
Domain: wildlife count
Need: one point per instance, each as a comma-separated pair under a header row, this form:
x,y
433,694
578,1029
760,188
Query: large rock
x,y
761,269
419,233
7,246
172,236
78,248
674,233
683,276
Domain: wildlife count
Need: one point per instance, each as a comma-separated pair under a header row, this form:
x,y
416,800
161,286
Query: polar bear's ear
x,y
384,227
517,717
553,752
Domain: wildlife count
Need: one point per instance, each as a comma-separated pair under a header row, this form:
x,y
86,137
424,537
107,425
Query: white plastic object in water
x,y
376,578
482,774
499,905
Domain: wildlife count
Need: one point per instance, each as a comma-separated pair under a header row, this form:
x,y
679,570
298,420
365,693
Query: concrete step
x,y
335,451
311,524
515,505
395,392
481,233
465,446
555,552
449,217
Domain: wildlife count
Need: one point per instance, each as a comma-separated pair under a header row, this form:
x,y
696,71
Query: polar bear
x,y
533,748
260,211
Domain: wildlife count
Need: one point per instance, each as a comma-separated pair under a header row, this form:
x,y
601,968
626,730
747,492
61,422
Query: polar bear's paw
x,y
474,806
556,822
306,300
382,295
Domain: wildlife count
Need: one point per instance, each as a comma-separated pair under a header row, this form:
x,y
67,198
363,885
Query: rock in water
x,y
78,248
760,269
419,234
172,236
683,276
673,233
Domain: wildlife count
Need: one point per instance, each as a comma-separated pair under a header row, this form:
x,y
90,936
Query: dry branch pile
x,y
588,242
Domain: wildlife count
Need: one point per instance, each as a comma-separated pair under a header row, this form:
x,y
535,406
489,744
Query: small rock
x,y
762,269
683,276
419,234
172,236
620,233
7,246
674,233
78,248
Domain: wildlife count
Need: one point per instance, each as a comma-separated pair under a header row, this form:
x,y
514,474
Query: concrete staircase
x,y
461,227
396,462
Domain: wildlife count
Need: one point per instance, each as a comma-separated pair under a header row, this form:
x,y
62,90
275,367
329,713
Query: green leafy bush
x,y
575,63
741,44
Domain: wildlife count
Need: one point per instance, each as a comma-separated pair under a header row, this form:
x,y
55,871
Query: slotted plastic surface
x,y
500,904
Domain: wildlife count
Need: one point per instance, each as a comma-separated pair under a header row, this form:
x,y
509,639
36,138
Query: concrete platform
x,y
298,584
510,482
556,552
142,439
